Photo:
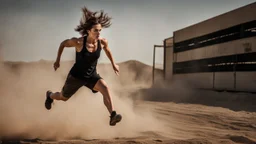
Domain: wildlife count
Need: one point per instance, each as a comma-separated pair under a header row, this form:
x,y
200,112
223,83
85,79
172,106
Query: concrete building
x,y
218,53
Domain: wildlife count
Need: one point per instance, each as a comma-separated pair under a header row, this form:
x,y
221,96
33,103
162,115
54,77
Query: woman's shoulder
x,y
103,41
77,39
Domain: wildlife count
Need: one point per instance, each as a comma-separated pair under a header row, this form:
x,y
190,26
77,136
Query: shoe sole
x,y
116,120
46,106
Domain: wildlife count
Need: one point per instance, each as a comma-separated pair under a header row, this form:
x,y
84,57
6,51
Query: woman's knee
x,y
105,87
102,86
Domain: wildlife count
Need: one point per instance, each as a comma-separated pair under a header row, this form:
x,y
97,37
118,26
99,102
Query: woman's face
x,y
95,31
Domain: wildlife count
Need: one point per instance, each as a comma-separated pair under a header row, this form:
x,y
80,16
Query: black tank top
x,y
86,62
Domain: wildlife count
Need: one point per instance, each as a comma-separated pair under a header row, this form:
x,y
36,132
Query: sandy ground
x,y
165,113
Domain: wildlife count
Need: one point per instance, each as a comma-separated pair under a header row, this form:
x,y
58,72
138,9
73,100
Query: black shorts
x,y
72,84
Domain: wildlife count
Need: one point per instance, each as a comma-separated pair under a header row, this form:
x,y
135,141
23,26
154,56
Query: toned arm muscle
x,y
108,53
107,50
66,44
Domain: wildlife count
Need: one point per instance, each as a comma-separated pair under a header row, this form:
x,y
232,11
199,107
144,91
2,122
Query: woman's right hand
x,y
56,65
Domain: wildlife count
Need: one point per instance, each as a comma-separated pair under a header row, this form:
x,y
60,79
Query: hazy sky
x,y
33,29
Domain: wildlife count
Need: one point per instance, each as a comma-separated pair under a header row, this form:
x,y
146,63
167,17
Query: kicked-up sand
x,y
163,113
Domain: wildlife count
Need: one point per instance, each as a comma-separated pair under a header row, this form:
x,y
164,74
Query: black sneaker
x,y
48,101
114,118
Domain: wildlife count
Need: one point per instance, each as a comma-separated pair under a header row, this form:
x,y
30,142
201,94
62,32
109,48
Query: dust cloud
x,y
23,115
180,91
173,112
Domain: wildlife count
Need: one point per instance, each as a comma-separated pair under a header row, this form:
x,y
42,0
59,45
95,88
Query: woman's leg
x,y
50,97
102,87
70,87
58,96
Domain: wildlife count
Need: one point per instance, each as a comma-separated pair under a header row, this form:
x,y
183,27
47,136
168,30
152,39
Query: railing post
x,y
153,69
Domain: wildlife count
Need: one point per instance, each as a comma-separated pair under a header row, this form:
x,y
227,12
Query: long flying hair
x,y
92,18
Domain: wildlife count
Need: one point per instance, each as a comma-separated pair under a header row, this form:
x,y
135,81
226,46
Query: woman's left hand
x,y
116,69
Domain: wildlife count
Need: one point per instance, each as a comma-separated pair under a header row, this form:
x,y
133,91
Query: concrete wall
x,y
196,80
244,81
234,47
168,58
232,18
208,80
241,81
224,80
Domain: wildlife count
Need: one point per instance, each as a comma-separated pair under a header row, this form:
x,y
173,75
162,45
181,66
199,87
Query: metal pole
x,y
164,52
213,78
153,70
235,63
